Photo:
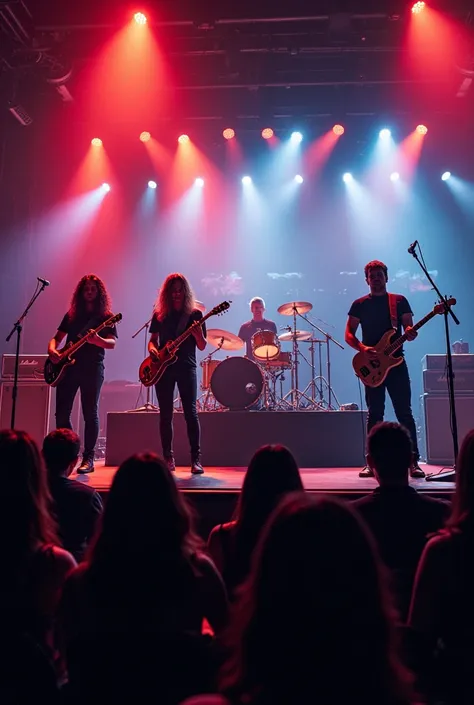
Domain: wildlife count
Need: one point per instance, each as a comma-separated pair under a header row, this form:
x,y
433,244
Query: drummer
x,y
257,323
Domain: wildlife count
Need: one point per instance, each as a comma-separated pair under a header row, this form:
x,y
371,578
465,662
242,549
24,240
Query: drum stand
x,y
322,403
147,406
207,401
294,394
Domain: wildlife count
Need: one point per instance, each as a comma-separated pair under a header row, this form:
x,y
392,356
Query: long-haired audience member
x,y
442,608
314,621
34,567
272,474
133,612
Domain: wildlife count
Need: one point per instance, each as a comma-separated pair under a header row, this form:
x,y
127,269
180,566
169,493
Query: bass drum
x,y
237,383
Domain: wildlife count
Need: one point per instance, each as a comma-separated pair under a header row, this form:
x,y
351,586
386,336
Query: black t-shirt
x,y
248,329
76,328
374,315
168,330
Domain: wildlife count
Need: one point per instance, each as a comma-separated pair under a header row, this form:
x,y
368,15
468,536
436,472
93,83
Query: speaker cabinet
x,y
438,442
33,405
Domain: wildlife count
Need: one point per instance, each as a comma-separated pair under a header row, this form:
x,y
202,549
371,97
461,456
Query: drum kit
x,y
239,383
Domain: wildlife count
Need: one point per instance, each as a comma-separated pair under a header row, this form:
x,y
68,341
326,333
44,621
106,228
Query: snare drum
x,y
208,368
237,383
282,362
265,345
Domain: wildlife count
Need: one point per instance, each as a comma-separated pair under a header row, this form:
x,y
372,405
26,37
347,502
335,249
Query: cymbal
x,y
200,306
230,341
298,335
294,307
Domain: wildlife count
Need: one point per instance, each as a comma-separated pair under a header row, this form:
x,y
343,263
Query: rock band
x,y
178,328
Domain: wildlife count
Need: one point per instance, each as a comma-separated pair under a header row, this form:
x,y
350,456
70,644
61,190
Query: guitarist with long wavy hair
x,y
377,313
174,313
90,306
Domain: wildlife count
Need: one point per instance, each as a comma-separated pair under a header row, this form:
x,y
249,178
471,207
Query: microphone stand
x,y
329,338
17,328
449,475
147,406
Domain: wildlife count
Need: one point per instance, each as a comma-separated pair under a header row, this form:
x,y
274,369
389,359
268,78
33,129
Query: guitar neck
x,y
75,346
403,338
180,339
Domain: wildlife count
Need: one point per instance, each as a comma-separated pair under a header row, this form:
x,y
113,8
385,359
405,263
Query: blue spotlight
x,y
246,180
296,137
106,187
385,134
199,182
446,176
394,176
347,177
152,184
299,179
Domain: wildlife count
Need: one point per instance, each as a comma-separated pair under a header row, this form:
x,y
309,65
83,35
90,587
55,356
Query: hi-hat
x,y
224,340
300,307
297,335
200,306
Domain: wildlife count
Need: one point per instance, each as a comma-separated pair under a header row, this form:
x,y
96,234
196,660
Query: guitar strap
x,y
392,303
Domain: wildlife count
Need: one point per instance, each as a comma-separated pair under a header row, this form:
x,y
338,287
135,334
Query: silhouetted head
x,y
462,514
25,520
313,611
60,451
389,453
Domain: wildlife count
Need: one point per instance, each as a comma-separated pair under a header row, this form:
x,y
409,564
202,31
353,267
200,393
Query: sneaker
x,y
416,471
196,467
86,466
170,463
366,472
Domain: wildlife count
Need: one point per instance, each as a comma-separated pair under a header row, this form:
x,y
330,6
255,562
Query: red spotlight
x,y
422,129
145,137
140,18
338,130
267,133
182,139
228,133
96,142
418,7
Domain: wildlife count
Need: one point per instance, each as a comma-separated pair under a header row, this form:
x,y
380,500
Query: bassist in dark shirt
x,y
90,306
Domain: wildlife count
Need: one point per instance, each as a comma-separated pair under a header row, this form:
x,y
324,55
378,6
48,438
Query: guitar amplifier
x,y
438,362
30,367
436,381
437,442
33,407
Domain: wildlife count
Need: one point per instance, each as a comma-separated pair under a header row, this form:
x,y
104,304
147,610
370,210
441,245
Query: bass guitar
x,y
372,372
154,366
54,371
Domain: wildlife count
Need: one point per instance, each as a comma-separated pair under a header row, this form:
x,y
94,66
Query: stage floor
x,y
343,481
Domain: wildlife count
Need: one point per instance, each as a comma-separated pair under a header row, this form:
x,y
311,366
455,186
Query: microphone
x,y
411,249
44,282
285,327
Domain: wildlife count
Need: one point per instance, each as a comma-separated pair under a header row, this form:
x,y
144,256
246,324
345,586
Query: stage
x,y
214,494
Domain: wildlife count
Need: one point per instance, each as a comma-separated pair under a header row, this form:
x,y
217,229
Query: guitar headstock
x,y
439,308
220,308
114,319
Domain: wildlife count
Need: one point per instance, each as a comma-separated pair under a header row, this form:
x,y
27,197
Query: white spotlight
x,y
446,176
394,176
296,137
246,180
347,177
199,181
106,187
152,184
385,134
299,179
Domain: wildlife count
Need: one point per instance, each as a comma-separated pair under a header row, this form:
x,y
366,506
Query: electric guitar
x,y
372,372
54,371
154,366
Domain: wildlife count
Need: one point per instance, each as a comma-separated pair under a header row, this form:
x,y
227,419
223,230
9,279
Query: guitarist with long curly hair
x,y
377,313
90,306
174,313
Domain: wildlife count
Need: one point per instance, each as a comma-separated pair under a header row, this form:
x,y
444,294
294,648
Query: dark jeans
x,y
397,383
89,380
186,379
